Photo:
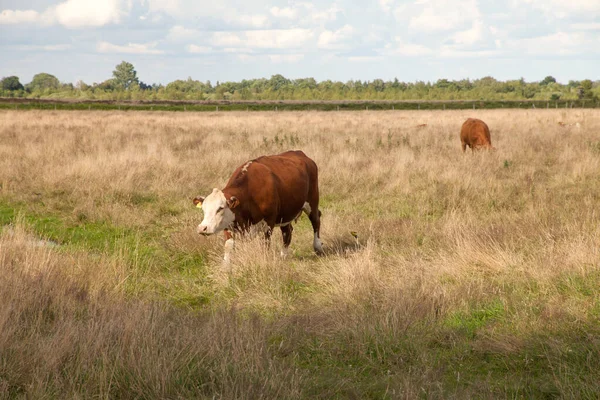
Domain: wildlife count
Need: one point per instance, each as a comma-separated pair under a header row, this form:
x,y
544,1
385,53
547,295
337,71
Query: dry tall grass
x,y
473,274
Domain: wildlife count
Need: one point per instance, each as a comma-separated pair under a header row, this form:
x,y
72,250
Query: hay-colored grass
x,y
473,275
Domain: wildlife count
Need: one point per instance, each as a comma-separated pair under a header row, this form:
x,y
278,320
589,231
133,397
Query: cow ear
x,y
233,202
198,201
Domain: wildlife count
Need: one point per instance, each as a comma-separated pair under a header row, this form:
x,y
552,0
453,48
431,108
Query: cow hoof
x,y
285,253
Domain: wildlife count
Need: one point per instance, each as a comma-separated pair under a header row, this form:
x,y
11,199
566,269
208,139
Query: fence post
x,y
444,106
473,106
418,106
217,108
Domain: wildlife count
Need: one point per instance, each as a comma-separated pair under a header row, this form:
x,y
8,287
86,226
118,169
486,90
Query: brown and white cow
x,y
475,134
275,189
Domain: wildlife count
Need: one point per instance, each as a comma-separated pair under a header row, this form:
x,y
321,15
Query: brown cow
x,y
275,189
475,134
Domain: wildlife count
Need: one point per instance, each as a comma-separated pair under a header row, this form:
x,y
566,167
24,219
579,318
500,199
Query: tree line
x,y
125,85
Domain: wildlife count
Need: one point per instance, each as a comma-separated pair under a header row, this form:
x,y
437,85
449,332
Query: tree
x,y
378,85
11,83
125,75
145,86
81,85
108,85
43,81
278,81
547,80
584,91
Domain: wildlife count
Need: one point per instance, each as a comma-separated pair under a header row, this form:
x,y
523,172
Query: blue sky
x,y
229,40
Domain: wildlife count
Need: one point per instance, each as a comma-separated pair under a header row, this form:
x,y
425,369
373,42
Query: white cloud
x,y
335,39
559,43
263,39
253,21
285,58
72,14
192,48
226,39
592,26
452,52
50,47
438,15
85,13
365,59
231,12
286,12
13,17
246,57
57,47
170,7
238,50
278,38
321,16
179,33
402,48
470,36
386,5
562,8
130,48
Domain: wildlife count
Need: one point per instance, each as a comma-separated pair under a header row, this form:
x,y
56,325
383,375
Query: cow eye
x,y
220,209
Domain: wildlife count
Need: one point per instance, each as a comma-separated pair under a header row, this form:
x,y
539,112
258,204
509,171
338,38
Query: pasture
x,y
472,275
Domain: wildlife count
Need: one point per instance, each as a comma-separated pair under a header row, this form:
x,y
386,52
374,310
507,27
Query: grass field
x,y
473,276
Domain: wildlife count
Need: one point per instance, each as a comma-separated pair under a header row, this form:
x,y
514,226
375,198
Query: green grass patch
x,y
584,285
155,263
7,214
469,322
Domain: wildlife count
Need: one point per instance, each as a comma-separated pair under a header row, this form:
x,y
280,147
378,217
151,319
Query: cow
x,y
475,134
275,189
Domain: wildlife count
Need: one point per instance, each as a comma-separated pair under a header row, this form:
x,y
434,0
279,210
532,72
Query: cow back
x,y
276,187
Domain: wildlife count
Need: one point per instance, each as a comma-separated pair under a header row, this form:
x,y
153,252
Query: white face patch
x,y
217,215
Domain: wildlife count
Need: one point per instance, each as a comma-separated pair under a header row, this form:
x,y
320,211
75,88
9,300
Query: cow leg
x,y
269,232
315,220
464,146
286,232
229,246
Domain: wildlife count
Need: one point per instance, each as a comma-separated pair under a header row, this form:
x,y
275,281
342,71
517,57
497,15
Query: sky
x,y
340,40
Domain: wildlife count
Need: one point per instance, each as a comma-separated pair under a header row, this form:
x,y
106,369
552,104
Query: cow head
x,y
218,214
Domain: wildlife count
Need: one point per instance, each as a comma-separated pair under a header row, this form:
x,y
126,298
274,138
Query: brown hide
x,y
274,189
475,134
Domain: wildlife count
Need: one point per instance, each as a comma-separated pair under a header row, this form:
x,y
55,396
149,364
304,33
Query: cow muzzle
x,y
203,230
